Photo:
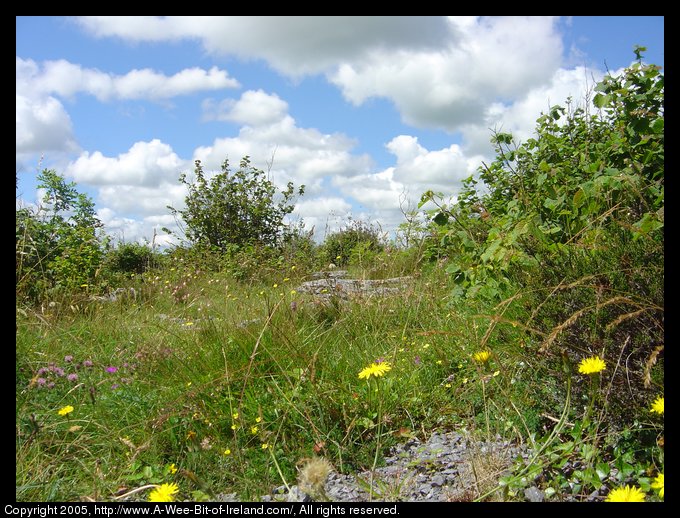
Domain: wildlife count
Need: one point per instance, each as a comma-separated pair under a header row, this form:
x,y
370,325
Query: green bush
x,y
353,243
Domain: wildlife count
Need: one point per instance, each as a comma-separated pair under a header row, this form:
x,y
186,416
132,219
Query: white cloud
x,y
254,108
302,155
42,126
293,45
144,164
491,59
67,79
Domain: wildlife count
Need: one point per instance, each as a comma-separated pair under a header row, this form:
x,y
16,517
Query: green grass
x,y
206,364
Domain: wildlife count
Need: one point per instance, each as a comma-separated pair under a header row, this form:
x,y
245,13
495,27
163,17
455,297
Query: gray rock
x,y
533,494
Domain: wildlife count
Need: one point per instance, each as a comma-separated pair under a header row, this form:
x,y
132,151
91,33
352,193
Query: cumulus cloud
x,y
42,126
254,108
144,164
440,72
278,144
66,79
293,45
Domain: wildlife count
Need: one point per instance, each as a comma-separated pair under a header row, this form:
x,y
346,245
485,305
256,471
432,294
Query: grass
x,y
224,386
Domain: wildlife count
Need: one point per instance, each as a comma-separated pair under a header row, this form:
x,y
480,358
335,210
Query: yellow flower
x,y
448,385
191,435
253,430
293,267
258,419
172,469
426,346
626,494
164,493
265,446
234,415
375,369
658,484
286,279
234,427
591,365
496,373
482,356
657,406
227,452
65,410
276,285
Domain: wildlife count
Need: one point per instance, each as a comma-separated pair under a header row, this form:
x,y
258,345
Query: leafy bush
x,y
130,258
355,242
58,245
235,208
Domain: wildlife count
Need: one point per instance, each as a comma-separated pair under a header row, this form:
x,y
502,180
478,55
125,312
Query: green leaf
x,y
441,219
600,100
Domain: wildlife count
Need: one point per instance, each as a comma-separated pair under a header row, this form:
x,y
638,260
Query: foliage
x,y
58,244
237,208
130,258
354,243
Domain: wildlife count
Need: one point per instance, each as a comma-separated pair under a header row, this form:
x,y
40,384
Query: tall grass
x,y
223,386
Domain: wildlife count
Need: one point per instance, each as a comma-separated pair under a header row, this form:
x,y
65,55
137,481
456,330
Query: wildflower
x,y
258,419
253,430
187,324
482,356
59,371
234,427
114,386
111,369
293,292
448,385
42,370
465,380
626,494
312,478
234,415
50,385
375,369
65,410
286,279
164,493
191,435
265,445
87,363
658,484
426,346
591,365
416,360
276,285
227,452
68,358
188,384
172,469
438,362
496,373
72,377
205,443
41,381
293,267
657,406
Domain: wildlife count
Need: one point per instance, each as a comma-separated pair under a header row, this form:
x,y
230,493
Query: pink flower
x,y
87,363
111,369
72,377
68,358
41,381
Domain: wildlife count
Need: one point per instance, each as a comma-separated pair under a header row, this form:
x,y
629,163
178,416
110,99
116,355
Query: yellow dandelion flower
x,y
227,452
265,446
482,356
258,419
375,369
591,365
657,406
658,484
172,469
253,429
65,410
626,494
164,493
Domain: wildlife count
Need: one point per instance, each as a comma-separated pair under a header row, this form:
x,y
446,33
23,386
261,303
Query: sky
x,y
367,112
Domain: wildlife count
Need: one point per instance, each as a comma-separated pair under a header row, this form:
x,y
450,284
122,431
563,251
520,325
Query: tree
x,y
235,208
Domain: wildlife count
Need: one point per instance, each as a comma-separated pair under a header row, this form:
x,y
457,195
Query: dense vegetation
x,y
216,374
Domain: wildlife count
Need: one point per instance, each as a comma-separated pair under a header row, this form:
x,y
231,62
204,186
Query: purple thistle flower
x,y
41,381
50,385
114,386
68,358
112,369
59,371
72,377
380,360
42,370
416,360
87,363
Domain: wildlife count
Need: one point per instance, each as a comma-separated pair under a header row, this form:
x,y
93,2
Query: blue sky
x,y
365,111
